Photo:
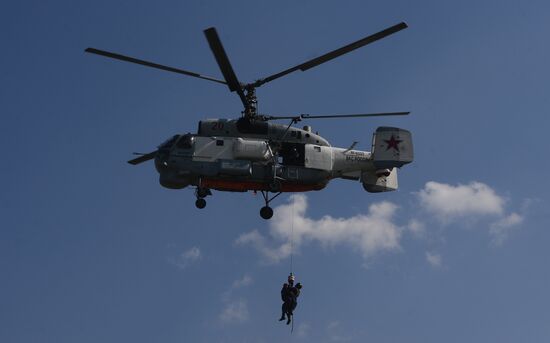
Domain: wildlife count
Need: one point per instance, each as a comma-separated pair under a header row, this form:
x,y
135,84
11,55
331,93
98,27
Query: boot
x,y
288,320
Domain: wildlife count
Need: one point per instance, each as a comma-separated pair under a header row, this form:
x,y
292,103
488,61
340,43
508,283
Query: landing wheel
x,y
200,203
266,212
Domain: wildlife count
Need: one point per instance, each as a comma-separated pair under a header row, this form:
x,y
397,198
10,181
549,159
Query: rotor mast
x,y
251,110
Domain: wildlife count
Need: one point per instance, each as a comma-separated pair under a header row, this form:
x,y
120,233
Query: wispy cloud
x,y
434,259
303,330
416,227
334,332
500,229
246,280
369,233
187,258
235,309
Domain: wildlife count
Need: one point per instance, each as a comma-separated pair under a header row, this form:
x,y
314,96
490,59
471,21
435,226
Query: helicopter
x,y
252,153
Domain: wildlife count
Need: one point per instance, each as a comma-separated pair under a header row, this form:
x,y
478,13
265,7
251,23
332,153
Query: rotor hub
x,y
251,109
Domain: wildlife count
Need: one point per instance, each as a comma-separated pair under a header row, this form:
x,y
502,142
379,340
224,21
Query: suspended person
x,y
289,296
286,297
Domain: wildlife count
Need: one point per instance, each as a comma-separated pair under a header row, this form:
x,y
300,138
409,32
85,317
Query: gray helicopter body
x,y
253,154
229,155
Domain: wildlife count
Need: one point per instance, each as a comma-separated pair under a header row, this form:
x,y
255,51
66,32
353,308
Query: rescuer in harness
x,y
289,296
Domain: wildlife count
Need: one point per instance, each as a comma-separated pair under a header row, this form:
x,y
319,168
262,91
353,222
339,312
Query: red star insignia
x,y
392,143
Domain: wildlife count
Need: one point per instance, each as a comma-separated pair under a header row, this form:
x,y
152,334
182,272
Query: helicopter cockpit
x,y
167,144
185,142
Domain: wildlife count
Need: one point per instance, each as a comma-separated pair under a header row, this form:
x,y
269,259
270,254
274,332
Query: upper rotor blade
x,y
224,64
335,53
309,116
151,64
144,158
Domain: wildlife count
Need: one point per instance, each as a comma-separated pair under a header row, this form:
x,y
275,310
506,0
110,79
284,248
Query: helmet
x,y
291,278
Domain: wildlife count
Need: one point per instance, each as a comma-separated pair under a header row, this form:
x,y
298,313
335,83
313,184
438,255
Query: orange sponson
x,y
243,186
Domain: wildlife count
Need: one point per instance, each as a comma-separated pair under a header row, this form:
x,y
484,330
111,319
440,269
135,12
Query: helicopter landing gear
x,y
201,193
200,203
275,186
266,212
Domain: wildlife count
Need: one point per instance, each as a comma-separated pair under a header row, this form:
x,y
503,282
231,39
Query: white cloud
x,y
500,229
261,244
416,227
188,257
472,201
376,231
246,280
372,233
192,254
448,202
434,259
235,311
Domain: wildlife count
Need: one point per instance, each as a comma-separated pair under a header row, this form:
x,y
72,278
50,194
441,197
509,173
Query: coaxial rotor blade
x,y
151,64
224,64
333,54
143,158
267,117
310,116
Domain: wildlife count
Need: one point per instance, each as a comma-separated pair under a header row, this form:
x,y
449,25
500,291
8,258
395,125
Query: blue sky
x,y
93,249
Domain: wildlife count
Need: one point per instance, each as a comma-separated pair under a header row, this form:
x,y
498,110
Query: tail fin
x,y
381,181
391,147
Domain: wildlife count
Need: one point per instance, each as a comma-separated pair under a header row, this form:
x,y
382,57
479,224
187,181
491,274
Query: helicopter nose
x,y
161,160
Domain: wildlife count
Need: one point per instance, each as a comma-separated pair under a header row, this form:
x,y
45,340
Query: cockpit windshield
x,y
185,142
169,142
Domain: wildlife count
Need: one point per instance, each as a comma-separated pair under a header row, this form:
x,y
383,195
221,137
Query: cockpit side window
x,y
185,142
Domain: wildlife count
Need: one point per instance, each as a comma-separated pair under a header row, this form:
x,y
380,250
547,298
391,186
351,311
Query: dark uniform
x,y
289,296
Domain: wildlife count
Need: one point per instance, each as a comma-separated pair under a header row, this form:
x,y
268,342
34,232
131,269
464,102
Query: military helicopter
x,y
252,153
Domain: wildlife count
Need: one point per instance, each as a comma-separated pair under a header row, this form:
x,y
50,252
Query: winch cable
x,y
291,256
292,238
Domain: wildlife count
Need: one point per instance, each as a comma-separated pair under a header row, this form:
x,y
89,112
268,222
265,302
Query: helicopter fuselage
x,y
239,156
